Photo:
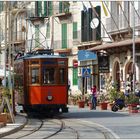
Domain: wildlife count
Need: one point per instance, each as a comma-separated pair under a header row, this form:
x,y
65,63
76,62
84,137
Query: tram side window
x,y
35,75
48,76
62,75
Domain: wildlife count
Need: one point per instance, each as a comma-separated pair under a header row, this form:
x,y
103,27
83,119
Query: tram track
x,y
50,127
97,128
27,130
63,127
60,128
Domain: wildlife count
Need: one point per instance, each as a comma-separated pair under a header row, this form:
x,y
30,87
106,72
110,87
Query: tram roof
x,y
42,56
39,56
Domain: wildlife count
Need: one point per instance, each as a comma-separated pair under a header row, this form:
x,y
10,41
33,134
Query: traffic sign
x,y
86,72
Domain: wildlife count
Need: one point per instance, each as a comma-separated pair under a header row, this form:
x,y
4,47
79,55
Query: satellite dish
x,y
94,23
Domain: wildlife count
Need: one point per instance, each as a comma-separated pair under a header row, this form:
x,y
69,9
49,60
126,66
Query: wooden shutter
x,y
75,76
98,29
50,7
90,16
39,8
36,36
60,7
45,8
74,30
84,26
64,35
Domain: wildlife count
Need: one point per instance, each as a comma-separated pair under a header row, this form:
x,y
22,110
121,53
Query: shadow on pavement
x,y
84,113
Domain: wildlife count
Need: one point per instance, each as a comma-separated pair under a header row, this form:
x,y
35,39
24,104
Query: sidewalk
x,y
9,128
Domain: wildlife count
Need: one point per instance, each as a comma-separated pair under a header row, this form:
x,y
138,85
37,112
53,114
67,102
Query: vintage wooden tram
x,y
41,81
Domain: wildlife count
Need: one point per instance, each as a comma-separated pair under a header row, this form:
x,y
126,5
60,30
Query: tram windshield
x,y
62,74
48,76
35,75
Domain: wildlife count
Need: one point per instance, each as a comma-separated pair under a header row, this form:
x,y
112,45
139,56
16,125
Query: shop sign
x,y
84,55
103,63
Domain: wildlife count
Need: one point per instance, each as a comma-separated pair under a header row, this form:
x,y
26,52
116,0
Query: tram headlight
x,y
49,98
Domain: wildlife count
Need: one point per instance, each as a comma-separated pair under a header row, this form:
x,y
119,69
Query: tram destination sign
x,y
103,63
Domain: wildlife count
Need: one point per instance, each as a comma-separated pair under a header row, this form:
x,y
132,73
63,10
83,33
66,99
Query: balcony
x,y
122,23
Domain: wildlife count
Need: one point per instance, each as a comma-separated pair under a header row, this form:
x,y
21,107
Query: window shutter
x,y
50,8
75,76
74,30
90,38
36,36
84,19
60,7
39,8
45,8
98,29
1,6
36,8
64,35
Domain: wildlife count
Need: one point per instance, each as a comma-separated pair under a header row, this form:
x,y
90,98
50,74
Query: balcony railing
x,y
122,22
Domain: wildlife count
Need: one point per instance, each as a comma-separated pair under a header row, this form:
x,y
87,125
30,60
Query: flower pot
x,y
90,105
110,105
133,108
81,104
103,106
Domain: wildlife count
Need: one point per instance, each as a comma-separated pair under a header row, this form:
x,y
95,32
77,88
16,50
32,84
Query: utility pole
x,y
5,39
133,66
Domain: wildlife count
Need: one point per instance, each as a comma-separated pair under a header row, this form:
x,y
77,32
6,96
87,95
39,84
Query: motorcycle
x,y
137,92
118,105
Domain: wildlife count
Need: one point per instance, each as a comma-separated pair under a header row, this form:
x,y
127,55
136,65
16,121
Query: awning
x,y
115,44
88,45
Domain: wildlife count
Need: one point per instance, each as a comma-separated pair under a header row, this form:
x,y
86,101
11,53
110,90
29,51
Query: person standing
x,y
94,96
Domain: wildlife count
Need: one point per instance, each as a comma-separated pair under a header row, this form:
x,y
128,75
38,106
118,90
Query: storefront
x,y
87,70
120,63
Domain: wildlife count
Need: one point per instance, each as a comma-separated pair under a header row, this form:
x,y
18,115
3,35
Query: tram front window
x,y
48,76
62,75
35,75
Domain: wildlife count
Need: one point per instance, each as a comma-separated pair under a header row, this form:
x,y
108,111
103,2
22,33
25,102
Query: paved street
x,y
120,124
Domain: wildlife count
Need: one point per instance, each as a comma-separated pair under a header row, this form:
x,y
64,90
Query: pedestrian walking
x,y
94,96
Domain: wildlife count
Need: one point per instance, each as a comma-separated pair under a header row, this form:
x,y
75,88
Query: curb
x,y
15,129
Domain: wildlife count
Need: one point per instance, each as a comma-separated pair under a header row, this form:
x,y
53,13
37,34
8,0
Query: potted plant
x,y
113,95
80,101
88,101
132,102
103,101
